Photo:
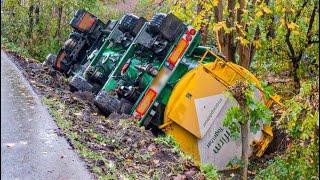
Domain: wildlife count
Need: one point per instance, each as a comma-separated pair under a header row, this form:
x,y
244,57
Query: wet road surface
x,y
30,148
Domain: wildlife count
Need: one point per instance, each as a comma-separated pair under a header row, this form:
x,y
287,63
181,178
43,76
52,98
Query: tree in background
x,y
293,39
236,24
41,26
275,33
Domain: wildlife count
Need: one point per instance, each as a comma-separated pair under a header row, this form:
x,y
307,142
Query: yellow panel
x,y
197,84
187,141
201,82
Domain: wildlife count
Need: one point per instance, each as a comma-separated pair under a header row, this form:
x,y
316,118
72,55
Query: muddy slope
x,y
113,148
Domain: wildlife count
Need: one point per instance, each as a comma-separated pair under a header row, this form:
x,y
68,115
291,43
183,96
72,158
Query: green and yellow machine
x,y
141,63
158,72
101,62
192,105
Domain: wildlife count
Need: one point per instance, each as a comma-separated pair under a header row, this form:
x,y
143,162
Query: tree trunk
x,y
31,8
204,34
204,27
244,54
58,31
296,78
225,40
37,14
245,150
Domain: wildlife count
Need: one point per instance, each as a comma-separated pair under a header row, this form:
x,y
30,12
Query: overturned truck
x,y
157,72
88,35
103,61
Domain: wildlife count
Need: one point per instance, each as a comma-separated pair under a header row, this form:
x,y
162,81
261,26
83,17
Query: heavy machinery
x,y
192,107
167,81
142,61
87,35
103,61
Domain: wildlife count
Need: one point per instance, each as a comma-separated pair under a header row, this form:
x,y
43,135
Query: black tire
x,y
96,88
50,60
128,22
78,83
106,104
171,27
125,106
155,23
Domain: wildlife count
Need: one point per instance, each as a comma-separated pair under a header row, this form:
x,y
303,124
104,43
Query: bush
x,y
301,162
301,121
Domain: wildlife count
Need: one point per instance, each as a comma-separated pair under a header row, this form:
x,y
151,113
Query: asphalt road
x,y
30,148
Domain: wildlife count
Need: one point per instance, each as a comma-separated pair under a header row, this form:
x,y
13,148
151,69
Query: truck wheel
x,y
106,104
125,106
50,60
96,88
156,22
78,83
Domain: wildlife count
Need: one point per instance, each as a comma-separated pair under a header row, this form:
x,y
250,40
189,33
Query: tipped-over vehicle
x,y
103,61
87,35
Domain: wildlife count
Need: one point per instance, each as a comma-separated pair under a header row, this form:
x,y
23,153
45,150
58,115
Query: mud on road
x,y
114,147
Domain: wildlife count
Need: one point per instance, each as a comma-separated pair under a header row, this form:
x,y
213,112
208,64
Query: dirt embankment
x,y
116,147
112,148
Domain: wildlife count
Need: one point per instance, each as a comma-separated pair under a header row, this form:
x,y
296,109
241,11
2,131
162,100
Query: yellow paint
x,y
181,135
191,86
180,117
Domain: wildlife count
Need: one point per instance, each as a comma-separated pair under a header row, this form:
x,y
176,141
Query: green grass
x,y
6,44
63,124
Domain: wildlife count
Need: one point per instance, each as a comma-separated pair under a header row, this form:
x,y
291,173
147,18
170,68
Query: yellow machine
x,y
197,108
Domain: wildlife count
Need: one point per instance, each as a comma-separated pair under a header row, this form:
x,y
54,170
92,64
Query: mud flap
x,y
58,64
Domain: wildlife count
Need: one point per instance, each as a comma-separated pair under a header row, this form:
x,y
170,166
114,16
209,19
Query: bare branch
x,y
300,10
309,34
288,42
291,52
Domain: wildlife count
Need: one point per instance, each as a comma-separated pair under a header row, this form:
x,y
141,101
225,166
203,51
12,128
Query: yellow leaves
x,y
245,11
263,9
292,26
257,44
282,21
267,10
240,29
237,6
243,41
294,32
259,14
283,10
222,25
215,2
219,25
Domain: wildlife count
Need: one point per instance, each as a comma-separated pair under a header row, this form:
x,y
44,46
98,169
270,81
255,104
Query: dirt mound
x,y
114,147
